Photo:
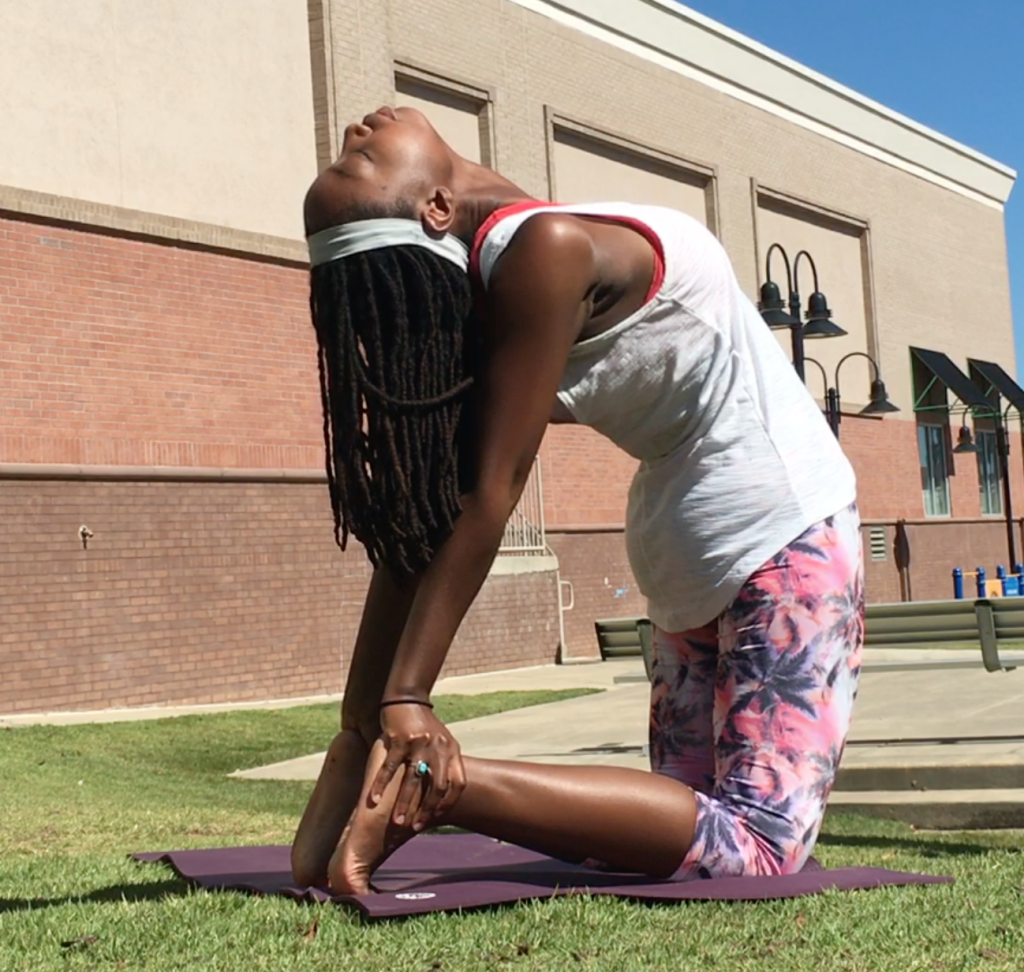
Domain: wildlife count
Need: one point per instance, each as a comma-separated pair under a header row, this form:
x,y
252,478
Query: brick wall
x,y
129,352
586,478
121,350
603,586
512,624
936,547
205,592
185,593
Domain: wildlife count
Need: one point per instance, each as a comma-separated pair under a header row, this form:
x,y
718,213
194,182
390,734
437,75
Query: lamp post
x,y
819,325
773,308
966,444
878,404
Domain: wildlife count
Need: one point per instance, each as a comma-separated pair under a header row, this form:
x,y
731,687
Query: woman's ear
x,y
439,212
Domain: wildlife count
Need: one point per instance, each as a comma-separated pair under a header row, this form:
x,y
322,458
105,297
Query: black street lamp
x,y
965,444
773,308
879,402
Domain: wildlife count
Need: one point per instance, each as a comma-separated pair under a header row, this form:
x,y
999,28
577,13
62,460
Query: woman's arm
x,y
538,302
385,613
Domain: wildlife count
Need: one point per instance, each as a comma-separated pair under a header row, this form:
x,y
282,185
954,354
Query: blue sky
x,y
955,67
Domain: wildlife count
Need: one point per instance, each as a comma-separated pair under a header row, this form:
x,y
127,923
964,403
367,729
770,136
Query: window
x,y
989,480
931,444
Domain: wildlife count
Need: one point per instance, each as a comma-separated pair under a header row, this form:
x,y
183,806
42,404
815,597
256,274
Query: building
x,y
166,530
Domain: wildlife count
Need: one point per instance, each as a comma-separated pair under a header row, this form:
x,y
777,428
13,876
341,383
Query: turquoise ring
x,y
422,769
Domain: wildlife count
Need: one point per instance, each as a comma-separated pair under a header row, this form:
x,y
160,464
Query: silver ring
x,y
422,769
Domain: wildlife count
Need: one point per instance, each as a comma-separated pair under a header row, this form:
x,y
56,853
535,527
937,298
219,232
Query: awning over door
x,y
951,377
996,378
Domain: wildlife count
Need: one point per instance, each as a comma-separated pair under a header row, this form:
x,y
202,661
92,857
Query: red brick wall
x,y
128,352
512,624
586,478
936,547
205,592
885,455
603,586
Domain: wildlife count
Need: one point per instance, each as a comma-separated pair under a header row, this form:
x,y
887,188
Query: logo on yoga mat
x,y
415,895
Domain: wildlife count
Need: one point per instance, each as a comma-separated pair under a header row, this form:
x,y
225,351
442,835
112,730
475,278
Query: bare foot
x,y
329,808
370,837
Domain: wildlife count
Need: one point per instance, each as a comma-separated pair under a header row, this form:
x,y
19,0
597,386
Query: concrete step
x,y
975,764
986,809
924,777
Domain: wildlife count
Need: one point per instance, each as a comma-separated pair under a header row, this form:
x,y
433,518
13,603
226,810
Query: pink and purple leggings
x,y
752,710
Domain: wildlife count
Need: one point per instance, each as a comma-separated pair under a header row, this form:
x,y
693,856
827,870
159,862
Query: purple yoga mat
x,y
451,872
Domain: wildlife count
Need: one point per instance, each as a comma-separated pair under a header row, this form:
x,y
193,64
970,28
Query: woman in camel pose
x,y
456,317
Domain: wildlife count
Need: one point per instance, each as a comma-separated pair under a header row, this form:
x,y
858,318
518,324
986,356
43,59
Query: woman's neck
x,y
479,192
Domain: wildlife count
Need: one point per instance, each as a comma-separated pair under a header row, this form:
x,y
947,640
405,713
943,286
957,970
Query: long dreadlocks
x,y
396,360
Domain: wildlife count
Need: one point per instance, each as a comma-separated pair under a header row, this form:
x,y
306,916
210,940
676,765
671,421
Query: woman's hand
x,y
414,735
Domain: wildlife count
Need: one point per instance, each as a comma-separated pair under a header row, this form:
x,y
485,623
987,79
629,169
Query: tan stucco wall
x,y
194,109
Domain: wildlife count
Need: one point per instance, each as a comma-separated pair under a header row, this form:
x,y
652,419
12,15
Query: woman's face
x,y
390,164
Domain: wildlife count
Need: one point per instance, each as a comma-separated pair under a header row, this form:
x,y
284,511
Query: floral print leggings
x,y
752,710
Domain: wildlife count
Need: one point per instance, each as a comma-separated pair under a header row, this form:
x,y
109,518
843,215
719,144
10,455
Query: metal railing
x,y
524,532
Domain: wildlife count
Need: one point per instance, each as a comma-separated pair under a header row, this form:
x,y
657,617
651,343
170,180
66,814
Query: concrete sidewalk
x,y
898,762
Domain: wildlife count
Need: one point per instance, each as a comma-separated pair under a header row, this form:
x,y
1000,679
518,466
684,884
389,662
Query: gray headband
x,y
376,234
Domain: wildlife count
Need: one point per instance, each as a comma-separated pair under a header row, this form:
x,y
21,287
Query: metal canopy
x,y
950,376
999,380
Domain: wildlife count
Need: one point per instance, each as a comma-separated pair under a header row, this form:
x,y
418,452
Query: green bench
x,y
947,626
934,625
625,638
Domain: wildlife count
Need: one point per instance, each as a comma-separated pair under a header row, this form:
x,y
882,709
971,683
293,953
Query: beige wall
x,y
455,116
585,170
193,109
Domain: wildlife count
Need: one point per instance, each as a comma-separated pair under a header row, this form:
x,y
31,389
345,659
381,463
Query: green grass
x,y
74,801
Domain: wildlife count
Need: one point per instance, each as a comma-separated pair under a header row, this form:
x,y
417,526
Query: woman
x,y
456,317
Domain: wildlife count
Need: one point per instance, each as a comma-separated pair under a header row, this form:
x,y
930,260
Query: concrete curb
x,y
989,809
983,775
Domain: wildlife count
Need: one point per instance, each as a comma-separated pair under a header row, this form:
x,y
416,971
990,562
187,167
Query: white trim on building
x,y
686,42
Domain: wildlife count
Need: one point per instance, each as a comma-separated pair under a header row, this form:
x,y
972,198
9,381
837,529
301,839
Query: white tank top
x,y
736,459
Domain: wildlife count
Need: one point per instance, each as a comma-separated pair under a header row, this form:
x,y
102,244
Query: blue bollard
x,y
1001,572
958,583
981,582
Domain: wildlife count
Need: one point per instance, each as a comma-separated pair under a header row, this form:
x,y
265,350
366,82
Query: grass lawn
x,y
74,801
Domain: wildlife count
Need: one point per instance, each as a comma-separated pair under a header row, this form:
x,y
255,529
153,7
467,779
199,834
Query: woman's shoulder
x,y
549,245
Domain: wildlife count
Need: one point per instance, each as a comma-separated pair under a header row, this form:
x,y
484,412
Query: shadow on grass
x,y
922,845
153,891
